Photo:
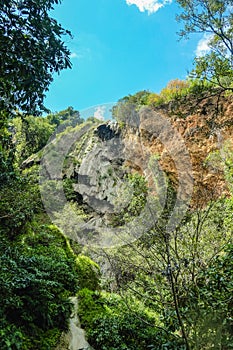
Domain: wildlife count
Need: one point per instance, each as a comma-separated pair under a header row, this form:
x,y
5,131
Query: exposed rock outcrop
x,y
160,143
204,129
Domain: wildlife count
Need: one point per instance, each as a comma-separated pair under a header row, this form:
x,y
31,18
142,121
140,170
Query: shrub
x,y
37,276
20,200
88,273
112,325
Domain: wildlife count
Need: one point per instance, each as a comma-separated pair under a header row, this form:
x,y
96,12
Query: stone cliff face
x,y
179,139
171,144
100,170
205,130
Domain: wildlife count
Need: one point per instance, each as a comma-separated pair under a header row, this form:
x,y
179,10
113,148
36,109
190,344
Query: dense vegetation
x,y
38,268
164,291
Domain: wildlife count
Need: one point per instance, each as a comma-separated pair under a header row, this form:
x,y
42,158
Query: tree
x,y
174,88
214,18
210,304
65,118
32,49
30,136
169,271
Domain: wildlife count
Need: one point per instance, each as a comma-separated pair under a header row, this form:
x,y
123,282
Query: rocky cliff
x,y
185,146
181,138
205,128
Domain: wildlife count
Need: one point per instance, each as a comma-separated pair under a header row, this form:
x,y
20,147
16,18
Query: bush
x,y
37,275
88,273
20,200
112,325
175,89
211,302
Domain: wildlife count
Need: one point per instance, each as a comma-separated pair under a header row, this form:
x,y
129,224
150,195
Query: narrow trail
x,y
75,338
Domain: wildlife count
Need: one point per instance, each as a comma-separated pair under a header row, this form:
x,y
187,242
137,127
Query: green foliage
x,y
132,200
138,99
155,100
199,87
30,135
174,89
69,190
88,273
210,304
90,305
213,68
11,337
7,149
65,118
221,161
32,49
138,188
126,110
113,325
37,275
215,18
165,270
20,200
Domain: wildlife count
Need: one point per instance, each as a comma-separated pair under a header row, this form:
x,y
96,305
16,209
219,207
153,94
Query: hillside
x,y
116,234
148,197
169,144
148,191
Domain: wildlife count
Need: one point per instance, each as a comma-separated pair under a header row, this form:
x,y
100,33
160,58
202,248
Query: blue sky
x,y
119,47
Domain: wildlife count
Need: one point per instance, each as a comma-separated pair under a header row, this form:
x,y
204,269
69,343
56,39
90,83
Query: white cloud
x,y
203,45
73,55
149,5
99,112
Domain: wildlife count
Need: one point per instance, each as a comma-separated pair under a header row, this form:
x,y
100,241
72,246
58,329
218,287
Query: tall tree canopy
x,y
215,19
32,49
